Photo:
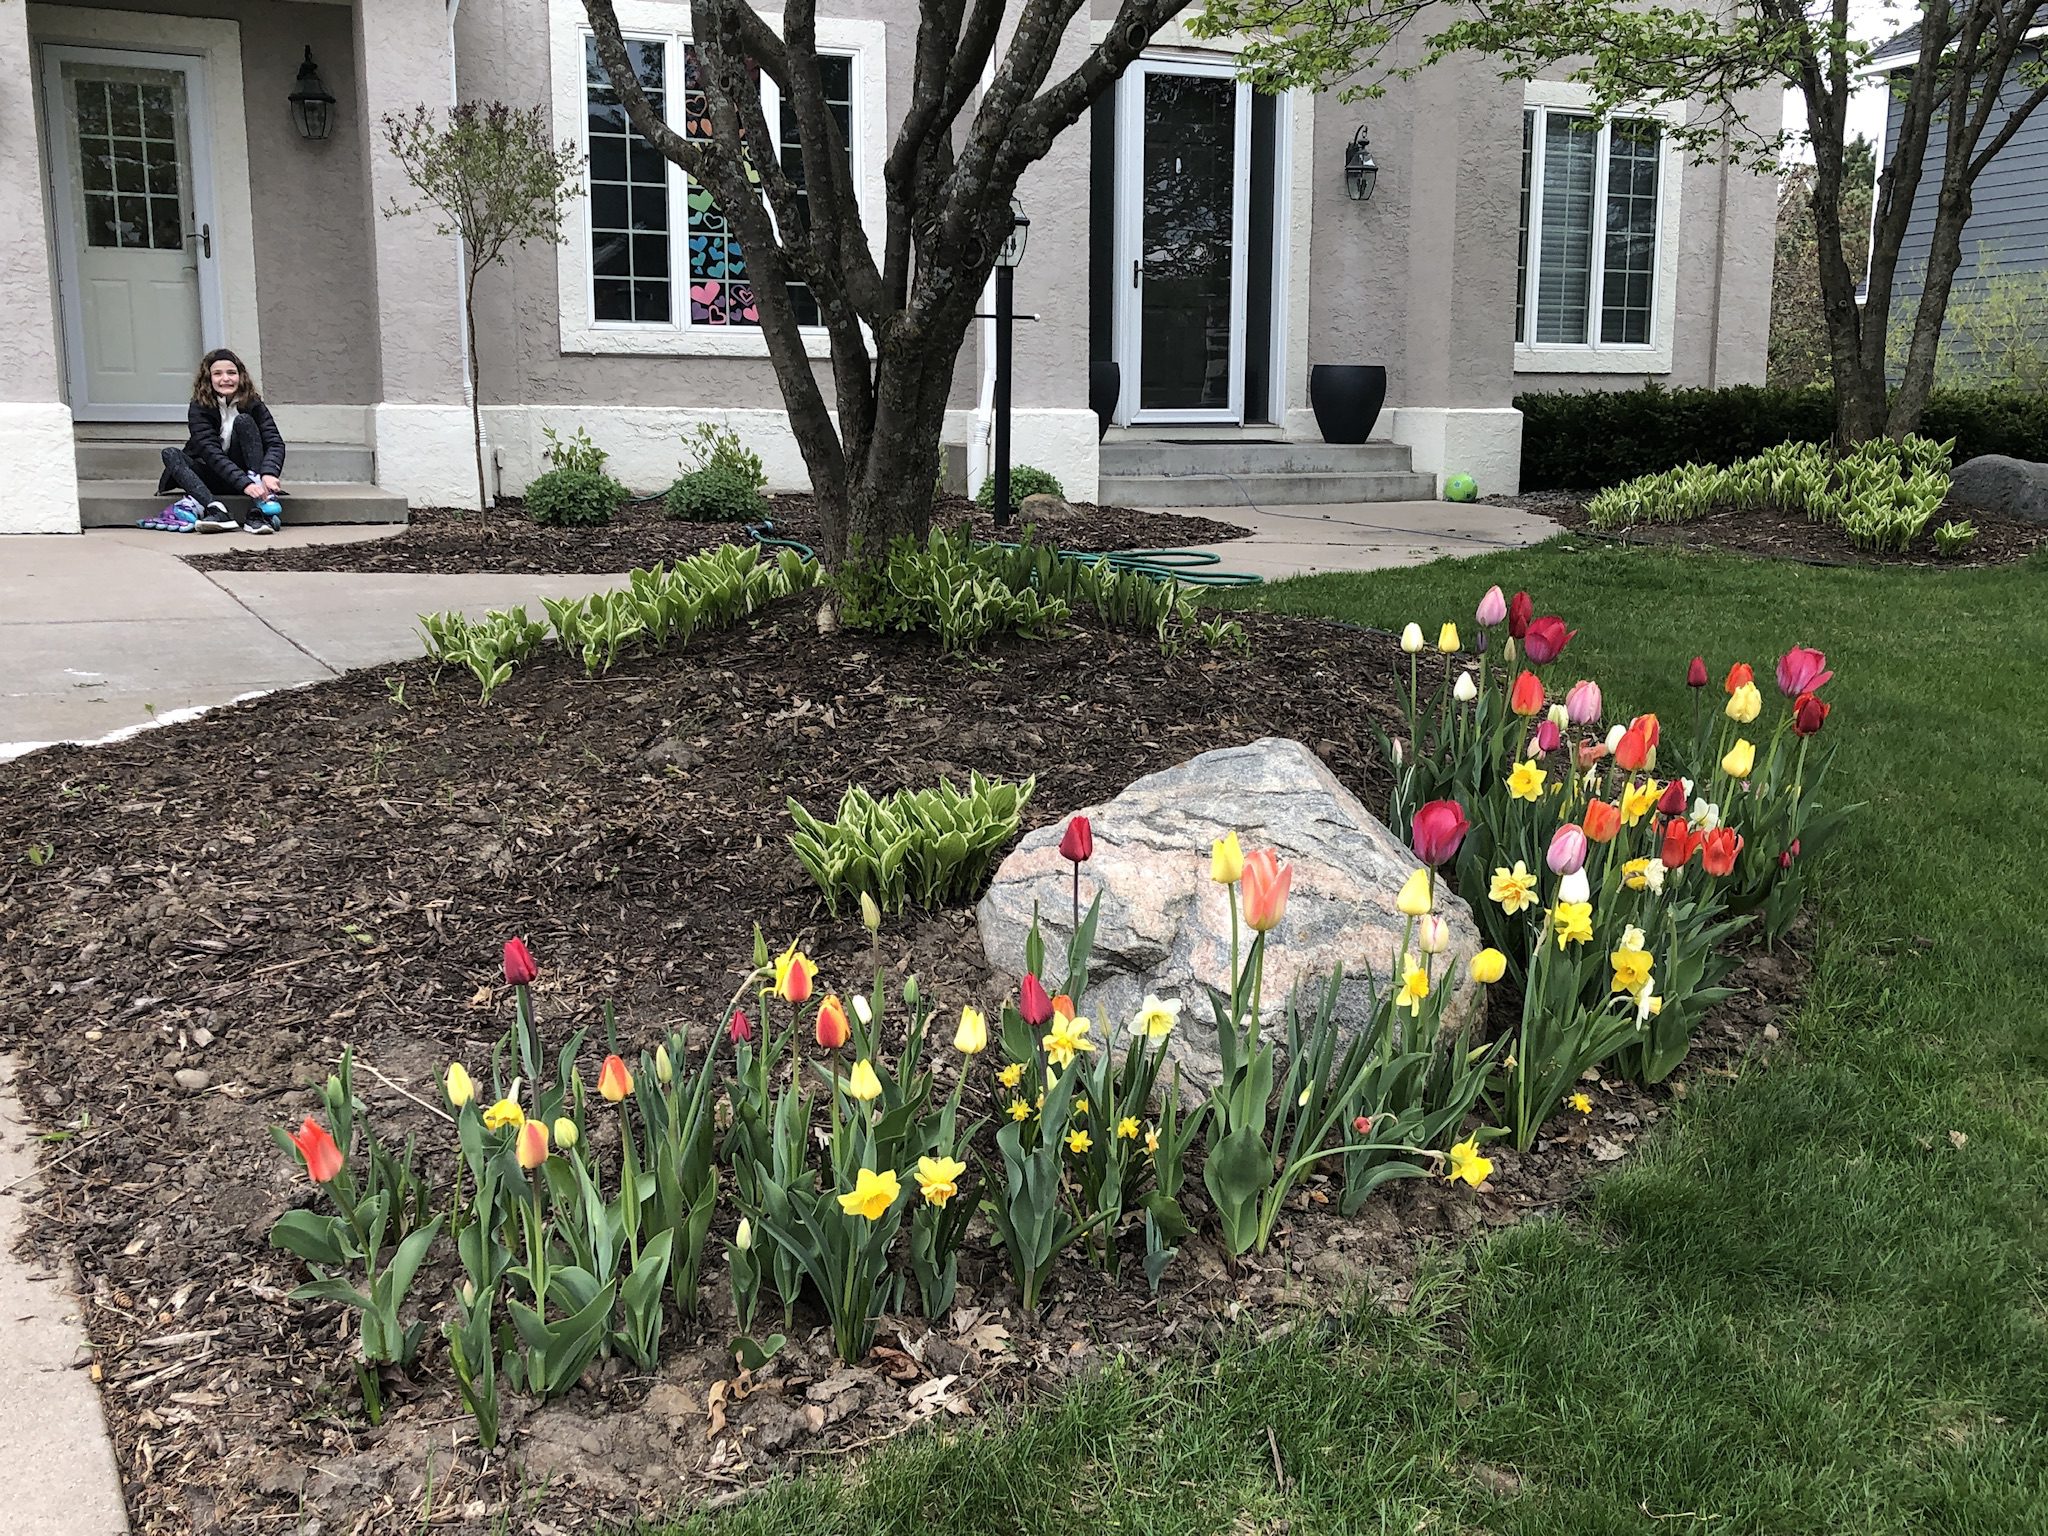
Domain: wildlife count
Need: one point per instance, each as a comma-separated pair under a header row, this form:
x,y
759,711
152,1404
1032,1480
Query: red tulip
x,y
1802,670
1696,674
1672,801
1602,821
1718,850
1362,1125
1438,829
1265,885
739,1028
1809,713
1739,674
1547,638
1785,859
1633,750
1526,697
1680,841
1032,1001
316,1146
520,971
831,1031
1077,844
1650,726
1520,607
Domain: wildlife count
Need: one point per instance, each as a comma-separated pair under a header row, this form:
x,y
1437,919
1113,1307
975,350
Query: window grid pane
x,y
1564,276
1522,240
720,293
835,74
1629,280
128,164
629,212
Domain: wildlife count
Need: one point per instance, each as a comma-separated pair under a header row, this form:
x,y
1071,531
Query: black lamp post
x,y
1006,278
312,103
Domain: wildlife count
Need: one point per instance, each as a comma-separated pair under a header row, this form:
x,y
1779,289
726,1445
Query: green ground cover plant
x,y
917,847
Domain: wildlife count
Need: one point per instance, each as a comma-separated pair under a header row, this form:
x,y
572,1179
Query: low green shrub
x,y
573,498
1952,537
1584,441
577,452
1883,495
917,847
717,493
1025,480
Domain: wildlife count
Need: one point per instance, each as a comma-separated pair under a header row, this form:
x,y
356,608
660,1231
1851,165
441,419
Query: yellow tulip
x,y
504,1113
1745,704
566,1133
1488,966
457,1084
872,1194
1741,759
1447,639
862,1083
1226,859
1414,898
971,1038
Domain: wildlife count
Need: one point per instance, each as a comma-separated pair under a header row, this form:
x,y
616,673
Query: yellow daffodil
x,y
1525,782
1514,889
1467,1164
1741,758
1019,1111
1648,1003
1573,922
457,1085
1631,969
938,1179
1581,1103
1414,988
971,1038
1127,1128
504,1113
1079,1141
1635,873
1152,1139
1639,799
862,1083
872,1194
1156,1017
1414,899
1447,638
1011,1075
1066,1039
1488,966
1745,704
1226,859
1080,1106
566,1134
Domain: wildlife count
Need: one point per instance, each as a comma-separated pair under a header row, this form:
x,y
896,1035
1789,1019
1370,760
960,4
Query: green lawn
x,y
1804,1307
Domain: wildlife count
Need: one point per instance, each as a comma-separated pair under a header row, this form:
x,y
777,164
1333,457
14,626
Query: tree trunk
x,y
476,399
1944,257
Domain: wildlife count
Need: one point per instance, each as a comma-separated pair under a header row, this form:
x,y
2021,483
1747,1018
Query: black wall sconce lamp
x,y
312,103
1361,171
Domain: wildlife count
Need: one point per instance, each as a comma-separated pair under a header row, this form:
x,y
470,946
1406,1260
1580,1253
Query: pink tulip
x,y
1546,639
1439,827
1493,608
1582,704
1802,670
1567,853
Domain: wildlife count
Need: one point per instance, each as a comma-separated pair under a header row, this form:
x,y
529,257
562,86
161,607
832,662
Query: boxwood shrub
x,y
572,498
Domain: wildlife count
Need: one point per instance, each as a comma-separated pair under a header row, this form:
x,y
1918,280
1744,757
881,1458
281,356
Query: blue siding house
x,y
2007,232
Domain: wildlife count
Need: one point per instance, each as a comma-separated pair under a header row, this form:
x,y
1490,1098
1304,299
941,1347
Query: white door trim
x,y
1129,234
224,130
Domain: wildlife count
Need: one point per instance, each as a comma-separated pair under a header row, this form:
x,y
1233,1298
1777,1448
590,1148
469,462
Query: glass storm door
x,y
135,234
1185,145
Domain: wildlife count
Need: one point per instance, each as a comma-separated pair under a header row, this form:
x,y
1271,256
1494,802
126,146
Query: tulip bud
x,y
1785,859
743,1239
870,914
664,1069
1809,714
863,1083
1363,1124
614,1081
1032,1001
520,970
1414,899
831,1031
1411,639
862,1010
1559,715
1226,859
1447,638
531,1145
971,1038
1582,704
1547,737
1574,886
1567,851
739,1029
1492,608
1433,935
910,993
566,1134
1400,752
457,1085
1521,610
1465,690
1696,674
1077,843
1672,801
1488,966
1526,697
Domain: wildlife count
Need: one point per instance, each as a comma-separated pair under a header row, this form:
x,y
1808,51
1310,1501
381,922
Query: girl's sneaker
x,y
272,515
214,518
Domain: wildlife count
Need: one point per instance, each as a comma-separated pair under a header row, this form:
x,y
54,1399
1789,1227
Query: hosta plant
x,y
915,848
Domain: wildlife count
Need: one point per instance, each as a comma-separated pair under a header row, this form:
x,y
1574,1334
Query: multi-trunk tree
x,y
896,296
1971,85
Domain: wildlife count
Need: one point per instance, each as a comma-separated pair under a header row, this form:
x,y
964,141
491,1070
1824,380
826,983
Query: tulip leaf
x,y
315,1238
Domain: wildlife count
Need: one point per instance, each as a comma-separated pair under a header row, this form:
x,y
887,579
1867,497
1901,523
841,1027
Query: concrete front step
x,y
123,503
139,458
1264,490
1250,456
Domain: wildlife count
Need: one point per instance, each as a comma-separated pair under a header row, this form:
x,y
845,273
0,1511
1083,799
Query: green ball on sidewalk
x,y
1461,488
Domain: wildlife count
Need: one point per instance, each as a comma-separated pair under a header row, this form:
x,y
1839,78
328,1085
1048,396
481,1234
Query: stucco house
x,y
160,194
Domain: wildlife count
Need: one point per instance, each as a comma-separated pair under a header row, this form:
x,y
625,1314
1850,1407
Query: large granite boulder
x,y
2001,487
1165,925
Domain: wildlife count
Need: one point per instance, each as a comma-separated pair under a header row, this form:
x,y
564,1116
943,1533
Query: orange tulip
x,y
1601,821
1526,698
614,1080
1265,883
1719,850
831,1031
531,1145
316,1146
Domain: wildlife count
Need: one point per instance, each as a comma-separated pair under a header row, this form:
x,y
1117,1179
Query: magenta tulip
x,y
1802,670
1438,829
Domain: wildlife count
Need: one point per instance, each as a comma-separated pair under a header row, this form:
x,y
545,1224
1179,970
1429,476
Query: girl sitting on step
x,y
233,446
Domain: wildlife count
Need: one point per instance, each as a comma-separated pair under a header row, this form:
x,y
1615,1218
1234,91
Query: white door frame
x,y
202,215
1129,234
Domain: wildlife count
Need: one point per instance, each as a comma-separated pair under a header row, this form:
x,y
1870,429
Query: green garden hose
x,y
1189,567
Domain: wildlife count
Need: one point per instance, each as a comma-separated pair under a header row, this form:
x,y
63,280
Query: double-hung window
x,y
1592,214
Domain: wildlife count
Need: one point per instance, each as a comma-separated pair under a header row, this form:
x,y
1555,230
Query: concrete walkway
x,y
113,630
1367,536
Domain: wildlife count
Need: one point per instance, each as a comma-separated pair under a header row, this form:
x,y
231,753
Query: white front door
x,y
1183,193
132,199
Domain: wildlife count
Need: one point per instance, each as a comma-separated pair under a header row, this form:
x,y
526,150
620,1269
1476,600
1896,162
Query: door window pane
x,y
1564,276
129,125
628,193
1629,273
1189,185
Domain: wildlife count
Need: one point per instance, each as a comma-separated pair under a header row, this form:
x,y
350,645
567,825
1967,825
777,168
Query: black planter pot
x,y
1347,398
1105,384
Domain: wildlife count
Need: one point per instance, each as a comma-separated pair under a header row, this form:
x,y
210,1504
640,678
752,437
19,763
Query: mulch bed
x,y
1786,536
443,540
230,901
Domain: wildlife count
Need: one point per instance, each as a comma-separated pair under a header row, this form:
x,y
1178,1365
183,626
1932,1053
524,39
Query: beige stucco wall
x,y
28,342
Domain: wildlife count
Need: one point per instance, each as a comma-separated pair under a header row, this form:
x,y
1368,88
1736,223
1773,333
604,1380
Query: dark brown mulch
x,y
1784,536
442,540
230,901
